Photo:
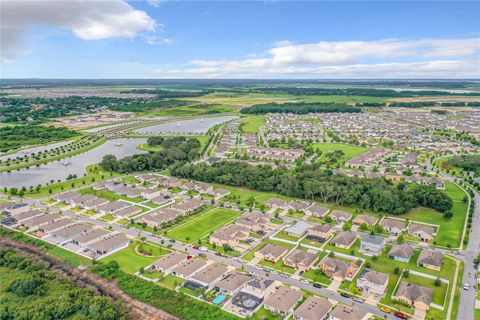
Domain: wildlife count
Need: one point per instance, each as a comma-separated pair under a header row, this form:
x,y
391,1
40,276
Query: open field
x,y
203,224
450,232
109,195
197,109
131,261
350,151
251,124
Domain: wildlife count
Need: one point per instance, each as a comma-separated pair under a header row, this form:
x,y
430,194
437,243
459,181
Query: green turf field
x,y
203,224
350,151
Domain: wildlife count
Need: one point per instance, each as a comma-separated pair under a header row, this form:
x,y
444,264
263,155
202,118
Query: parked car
x,y
345,295
218,254
301,273
317,285
385,309
305,281
357,299
401,315
204,249
274,272
189,257
466,286
196,247
258,267
172,241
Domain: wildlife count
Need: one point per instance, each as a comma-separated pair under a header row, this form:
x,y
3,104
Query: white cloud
x,y
388,58
156,3
88,20
130,64
156,40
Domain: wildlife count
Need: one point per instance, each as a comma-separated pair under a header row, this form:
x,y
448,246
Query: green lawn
x,y
251,124
350,151
342,99
107,218
130,261
280,266
130,179
169,282
204,224
450,232
264,314
283,235
195,109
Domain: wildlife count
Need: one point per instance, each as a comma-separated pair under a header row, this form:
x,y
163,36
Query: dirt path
x,y
83,278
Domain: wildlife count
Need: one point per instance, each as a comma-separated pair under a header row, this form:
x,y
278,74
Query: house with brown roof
x,y
300,259
317,211
283,301
208,275
415,295
344,239
340,216
275,203
259,286
314,308
254,222
365,219
127,212
297,205
220,193
338,269
232,282
89,237
165,263
39,221
271,252
430,259
58,224
95,203
188,206
149,194
82,200
423,231
344,312
70,231
320,232
373,282
113,206
401,252
186,268
28,214
230,235
394,226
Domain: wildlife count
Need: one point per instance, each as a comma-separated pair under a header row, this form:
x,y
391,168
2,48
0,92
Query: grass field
x,y
169,282
450,232
350,151
250,255
130,261
195,109
203,224
251,124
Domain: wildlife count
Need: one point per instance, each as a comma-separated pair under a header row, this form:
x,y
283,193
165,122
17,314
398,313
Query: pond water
x,y
75,165
200,125
24,152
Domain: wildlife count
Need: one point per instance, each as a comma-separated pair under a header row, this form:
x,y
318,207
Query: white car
x,y
466,286
274,272
204,249
305,281
258,267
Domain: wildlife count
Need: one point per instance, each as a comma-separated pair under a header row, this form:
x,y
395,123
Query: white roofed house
x,y
109,244
298,229
283,301
373,282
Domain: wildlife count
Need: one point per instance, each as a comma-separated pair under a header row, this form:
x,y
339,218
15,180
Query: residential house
x,y
66,196
188,206
109,244
230,235
208,275
165,263
70,231
113,206
95,203
271,252
297,205
160,216
338,269
202,187
13,208
259,286
275,203
316,211
423,231
320,232
160,199
373,282
300,259
344,239
372,245
365,219
58,224
186,268
220,193
415,295
254,222
430,259
314,308
89,237
283,301
39,221
340,216
344,312
401,252
232,282
298,229
27,215
82,200
394,226
149,194
127,212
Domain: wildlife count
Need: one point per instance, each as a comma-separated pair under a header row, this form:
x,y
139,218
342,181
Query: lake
x,y
34,176
194,126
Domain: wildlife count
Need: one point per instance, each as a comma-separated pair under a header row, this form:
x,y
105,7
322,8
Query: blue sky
x,y
230,39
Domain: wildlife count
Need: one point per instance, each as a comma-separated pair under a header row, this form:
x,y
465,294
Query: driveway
x,y
419,314
334,285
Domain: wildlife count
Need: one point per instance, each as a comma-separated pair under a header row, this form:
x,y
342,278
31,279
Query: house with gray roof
x,y
372,245
415,295
373,282
314,308
401,252
344,239
431,259
283,301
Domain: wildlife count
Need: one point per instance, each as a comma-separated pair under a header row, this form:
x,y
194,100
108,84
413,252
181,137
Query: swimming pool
x,y
219,299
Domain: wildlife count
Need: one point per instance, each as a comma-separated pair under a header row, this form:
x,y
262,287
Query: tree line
x,y
30,291
299,108
177,149
466,162
309,182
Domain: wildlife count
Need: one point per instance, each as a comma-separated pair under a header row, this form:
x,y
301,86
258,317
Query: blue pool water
x,y
219,299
